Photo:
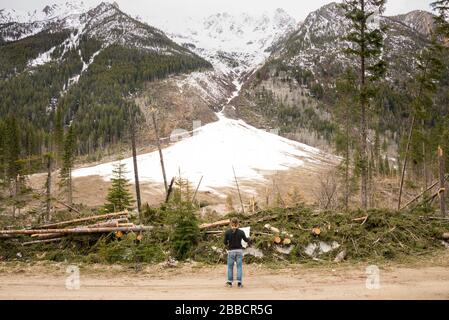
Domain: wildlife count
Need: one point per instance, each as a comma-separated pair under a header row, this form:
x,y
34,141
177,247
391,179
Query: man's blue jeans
x,y
235,256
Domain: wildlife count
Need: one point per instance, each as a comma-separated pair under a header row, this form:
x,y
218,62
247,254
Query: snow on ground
x,y
43,58
212,151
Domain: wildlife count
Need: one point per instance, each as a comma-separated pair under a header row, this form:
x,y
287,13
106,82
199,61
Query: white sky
x,y
299,9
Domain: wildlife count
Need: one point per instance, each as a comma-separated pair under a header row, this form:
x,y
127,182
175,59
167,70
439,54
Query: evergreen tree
x,y
58,136
68,158
14,165
2,154
119,197
346,115
367,45
13,147
442,9
428,75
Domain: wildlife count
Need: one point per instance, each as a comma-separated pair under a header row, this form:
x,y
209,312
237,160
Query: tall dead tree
x,y
161,157
238,190
136,170
48,188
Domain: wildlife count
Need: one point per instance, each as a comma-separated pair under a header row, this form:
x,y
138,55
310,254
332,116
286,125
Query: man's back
x,y
233,239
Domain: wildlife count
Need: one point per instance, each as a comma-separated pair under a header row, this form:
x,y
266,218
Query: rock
x,y
315,249
253,252
19,255
445,243
170,263
340,257
284,250
217,250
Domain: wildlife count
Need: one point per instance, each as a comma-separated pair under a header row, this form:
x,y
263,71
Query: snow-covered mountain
x,y
235,45
318,44
104,22
100,50
47,13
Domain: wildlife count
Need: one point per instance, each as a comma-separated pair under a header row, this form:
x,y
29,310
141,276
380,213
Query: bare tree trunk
x,y
48,191
347,162
136,172
409,141
69,187
442,191
363,121
364,151
160,153
238,189
170,189
404,165
13,193
424,160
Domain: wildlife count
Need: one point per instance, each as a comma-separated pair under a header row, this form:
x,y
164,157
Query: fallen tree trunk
x,y
82,230
273,229
5,236
110,224
47,236
434,218
42,241
66,205
125,225
91,218
215,224
215,232
274,217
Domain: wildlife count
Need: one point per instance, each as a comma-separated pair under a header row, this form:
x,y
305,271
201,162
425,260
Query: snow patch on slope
x,y
212,151
43,58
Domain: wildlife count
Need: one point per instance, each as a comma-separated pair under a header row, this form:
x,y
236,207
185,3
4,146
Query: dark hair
x,y
235,221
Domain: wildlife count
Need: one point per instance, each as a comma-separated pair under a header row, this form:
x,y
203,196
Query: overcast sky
x,y
297,8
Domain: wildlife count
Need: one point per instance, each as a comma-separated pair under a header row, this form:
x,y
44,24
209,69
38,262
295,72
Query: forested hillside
x,y
299,87
79,71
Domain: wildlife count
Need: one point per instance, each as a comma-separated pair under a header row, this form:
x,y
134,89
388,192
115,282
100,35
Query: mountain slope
x,y
295,89
214,150
235,45
81,69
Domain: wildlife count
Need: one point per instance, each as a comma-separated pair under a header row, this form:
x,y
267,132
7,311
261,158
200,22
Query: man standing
x,y
233,241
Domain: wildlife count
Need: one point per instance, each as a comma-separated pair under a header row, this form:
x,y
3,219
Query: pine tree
x,y
429,72
68,158
58,136
12,157
367,45
119,198
346,116
2,154
442,9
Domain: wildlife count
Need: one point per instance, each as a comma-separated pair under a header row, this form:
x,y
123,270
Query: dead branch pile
x,y
301,234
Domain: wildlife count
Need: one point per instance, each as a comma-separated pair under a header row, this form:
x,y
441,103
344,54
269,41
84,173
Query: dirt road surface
x,y
195,281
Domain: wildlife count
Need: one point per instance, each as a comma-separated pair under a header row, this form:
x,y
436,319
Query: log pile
x,y
281,237
117,222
